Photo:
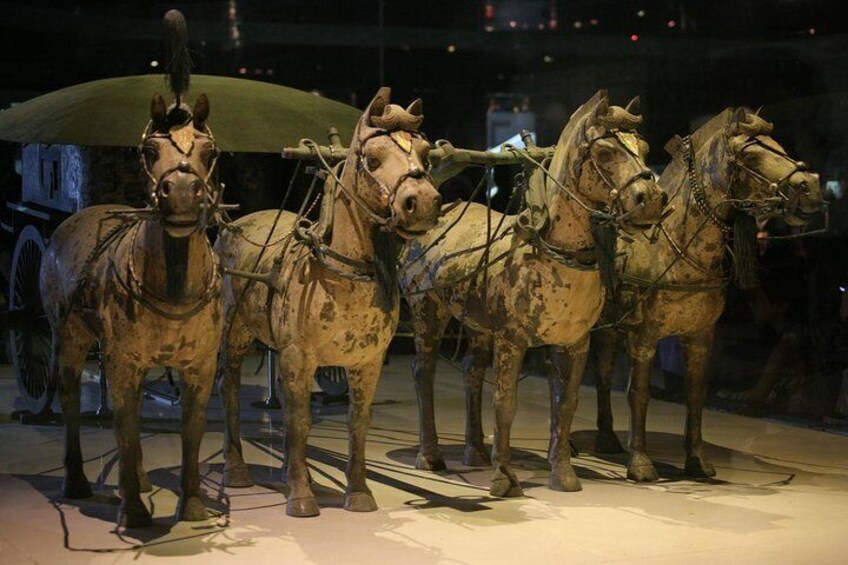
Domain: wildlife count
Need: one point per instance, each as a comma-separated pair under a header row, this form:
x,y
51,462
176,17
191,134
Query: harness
x,y
130,220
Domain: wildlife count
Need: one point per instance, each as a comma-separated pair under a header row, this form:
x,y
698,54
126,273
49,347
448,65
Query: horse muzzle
x,y
415,209
643,204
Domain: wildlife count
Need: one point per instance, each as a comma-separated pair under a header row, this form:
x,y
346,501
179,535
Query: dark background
x,y
687,59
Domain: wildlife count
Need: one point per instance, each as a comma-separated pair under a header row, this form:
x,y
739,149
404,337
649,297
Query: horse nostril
x,y
640,198
166,188
409,204
197,186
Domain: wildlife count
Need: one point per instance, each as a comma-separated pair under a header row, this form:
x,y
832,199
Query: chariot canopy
x,y
251,116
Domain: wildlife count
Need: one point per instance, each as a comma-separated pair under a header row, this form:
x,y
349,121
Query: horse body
x,y
537,298
527,295
320,307
88,300
685,262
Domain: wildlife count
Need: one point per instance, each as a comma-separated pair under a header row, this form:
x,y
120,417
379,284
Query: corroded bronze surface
x,y
538,285
327,304
741,169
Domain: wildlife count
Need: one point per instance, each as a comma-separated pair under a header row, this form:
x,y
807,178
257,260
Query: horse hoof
x,y
608,443
564,481
237,476
430,463
641,470
76,487
360,502
302,507
191,509
135,516
144,484
699,468
476,457
505,484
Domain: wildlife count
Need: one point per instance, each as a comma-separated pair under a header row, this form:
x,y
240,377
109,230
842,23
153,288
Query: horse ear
x,y
740,116
158,112
201,112
416,108
602,109
378,104
633,106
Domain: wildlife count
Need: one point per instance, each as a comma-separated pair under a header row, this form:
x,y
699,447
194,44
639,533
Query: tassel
x,y
387,247
177,57
745,251
606,236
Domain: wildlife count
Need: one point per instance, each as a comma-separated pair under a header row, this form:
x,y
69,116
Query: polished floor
x,y
780,496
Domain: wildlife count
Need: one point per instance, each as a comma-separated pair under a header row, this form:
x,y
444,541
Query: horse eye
x,y
150,152
372,162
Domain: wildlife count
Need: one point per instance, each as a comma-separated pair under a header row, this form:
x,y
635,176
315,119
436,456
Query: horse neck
x,y
689,222
175,269
570,223
351,235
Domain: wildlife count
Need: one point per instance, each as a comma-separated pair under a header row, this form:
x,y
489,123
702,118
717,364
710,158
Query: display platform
x,y
780,495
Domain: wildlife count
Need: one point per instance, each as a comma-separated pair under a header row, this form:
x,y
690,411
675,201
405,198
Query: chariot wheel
x,y
29,334
332,380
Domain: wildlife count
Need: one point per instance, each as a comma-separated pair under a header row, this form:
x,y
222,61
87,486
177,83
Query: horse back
x,y
71,250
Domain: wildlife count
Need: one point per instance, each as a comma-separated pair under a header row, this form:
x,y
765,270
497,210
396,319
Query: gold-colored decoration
x,y
183,137
630,141
403,139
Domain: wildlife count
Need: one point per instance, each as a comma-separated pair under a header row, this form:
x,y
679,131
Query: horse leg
x,y
67,359
144,484
642,350
605,346
697,351
196,383
474,363
363,383
234,348
566,376
124,386
295,377
429,324
508,358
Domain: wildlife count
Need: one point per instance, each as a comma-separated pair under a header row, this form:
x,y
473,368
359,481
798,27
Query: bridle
x,y
738,166
387,193
211,193
614,205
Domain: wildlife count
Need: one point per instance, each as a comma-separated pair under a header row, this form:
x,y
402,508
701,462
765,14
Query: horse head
x,y
390,160
763,173
179,156
609,168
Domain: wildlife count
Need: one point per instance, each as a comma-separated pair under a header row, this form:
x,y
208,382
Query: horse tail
x,y
177,57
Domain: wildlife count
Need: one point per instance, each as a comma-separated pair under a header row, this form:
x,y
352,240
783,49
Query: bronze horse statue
x,y
729,173
145,285
331,296
535,282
